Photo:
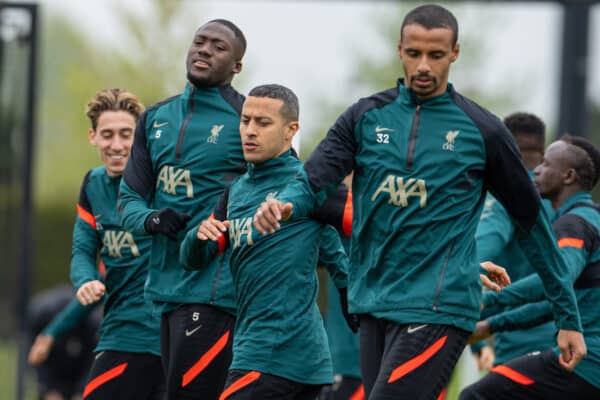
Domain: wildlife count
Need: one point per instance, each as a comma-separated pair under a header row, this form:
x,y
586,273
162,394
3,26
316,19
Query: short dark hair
x,y
239,35
431,16
290,109
526,124
586,162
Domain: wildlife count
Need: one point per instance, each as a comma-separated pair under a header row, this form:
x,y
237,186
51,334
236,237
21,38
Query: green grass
x,y
8,373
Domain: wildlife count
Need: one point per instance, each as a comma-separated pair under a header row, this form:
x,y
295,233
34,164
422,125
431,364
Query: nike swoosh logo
x,y
379,129
157,125
156,220
191,332
411,329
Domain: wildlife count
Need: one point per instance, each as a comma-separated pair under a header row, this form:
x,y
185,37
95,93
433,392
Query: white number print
x,y
383,138
195,316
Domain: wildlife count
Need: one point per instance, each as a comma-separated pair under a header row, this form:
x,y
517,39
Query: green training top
x,y
577,229
129,324
279,329
187,150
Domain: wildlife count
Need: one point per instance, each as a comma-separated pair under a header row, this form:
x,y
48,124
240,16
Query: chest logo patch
x,y
450,139
171,178
214,134
116,241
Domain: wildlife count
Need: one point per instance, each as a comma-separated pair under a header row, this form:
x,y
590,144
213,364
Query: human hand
x,y
268,215
211,229
167,222
40,349
572,348
482,331
497,277
485,358
91,292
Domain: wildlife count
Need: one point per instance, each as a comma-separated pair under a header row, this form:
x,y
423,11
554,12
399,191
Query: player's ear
x,y
570,176
92,136
237,67
455,52
291,129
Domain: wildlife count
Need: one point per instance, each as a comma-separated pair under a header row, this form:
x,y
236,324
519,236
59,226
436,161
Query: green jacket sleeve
x,y
68,318
137,186
573,250
86,241
523,317
526,290
333,257
84,254
195,253
509,182
494,231
327,165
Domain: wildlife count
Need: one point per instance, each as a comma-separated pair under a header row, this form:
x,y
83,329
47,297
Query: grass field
x,y
8,373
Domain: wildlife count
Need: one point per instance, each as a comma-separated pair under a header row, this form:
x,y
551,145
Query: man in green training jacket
x,y
128,351
187,149
280,346
423,158
569,171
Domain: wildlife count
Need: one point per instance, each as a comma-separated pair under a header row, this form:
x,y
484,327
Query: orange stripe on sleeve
x,y
359,394
347,220
86,216
103,378
240,383
571,242
417,361
205,360
512,375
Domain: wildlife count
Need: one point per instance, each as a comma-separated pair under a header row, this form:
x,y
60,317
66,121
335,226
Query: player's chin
x,y
201,78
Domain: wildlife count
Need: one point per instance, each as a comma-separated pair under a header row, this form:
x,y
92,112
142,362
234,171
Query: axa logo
x,y
214,134
171,178
238,228
116,241
398,190
450,139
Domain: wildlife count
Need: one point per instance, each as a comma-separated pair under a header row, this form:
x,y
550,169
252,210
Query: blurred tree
x,y
74,65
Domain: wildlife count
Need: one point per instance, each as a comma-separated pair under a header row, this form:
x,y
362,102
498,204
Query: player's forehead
x,y
261,106
115,120
215,31
557,152
419,37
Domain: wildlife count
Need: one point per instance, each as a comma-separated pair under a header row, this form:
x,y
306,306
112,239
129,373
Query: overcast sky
x,y
310,46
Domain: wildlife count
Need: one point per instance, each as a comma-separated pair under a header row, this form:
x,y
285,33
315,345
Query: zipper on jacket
x,y
216,283
412,141
439,288
185,124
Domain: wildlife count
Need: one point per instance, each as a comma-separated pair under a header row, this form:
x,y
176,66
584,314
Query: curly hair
x,y
113,100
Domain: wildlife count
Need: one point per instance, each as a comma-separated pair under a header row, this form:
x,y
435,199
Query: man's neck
x,y
564,195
